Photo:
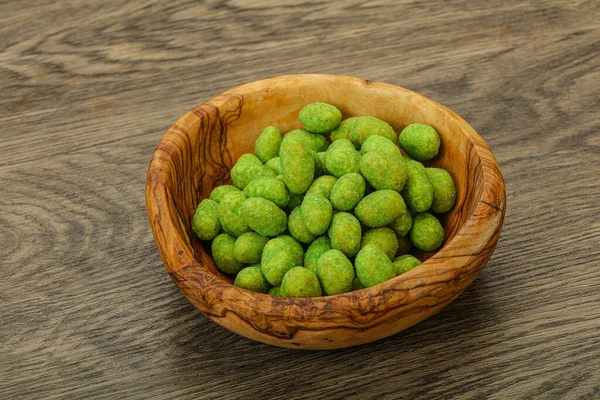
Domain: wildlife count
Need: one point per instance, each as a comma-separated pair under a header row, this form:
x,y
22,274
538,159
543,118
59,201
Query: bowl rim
x,y
445,266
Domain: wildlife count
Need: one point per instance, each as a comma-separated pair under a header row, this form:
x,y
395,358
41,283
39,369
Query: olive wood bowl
x,y
198,151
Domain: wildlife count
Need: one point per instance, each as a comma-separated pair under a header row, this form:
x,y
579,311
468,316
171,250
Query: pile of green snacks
x,y
328,209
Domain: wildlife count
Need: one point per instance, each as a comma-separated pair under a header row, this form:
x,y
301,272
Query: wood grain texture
x,y
199,150
88,89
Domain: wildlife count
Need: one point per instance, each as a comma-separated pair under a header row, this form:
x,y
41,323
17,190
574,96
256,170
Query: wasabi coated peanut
x,y
444,191
314,141
297,229
230,213
380,208
316,212
420,141
381,144
418,191
341,158
300,282
246,169
316,249
383,171
347,191
248,247
267,144
276,260
249,158
320,117
295,248
427,233
275,165
402,224
404,246
264,217
343,130
357,284
359,129
297,164
405,263
322,185
252,278
373,266
335,272
295,201
270,188
275,291
219,192
345,233
205,223
319,165
383,237
222,252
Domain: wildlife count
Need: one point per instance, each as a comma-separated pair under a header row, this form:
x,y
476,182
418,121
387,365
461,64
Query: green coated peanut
x,y
248,247
297,229
297,164
296,249
300,282
357,284
320,117
444,191
205,222
418,191
316,249
335,272
270,188
267,144
222,252
275,291
380,208
373,266
405,263
322,185
341,158
264,217
316,212
252,278
427,232
246,169
381,144
275,165
314,141
383,171
420,141
402,224
345,233
231,215
347,191
276,260
295,201
219,192
384,238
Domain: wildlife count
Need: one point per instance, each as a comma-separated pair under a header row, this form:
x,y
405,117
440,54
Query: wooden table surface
x,y
88,88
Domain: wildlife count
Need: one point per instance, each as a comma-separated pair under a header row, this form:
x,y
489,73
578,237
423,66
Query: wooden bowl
x,y
198,151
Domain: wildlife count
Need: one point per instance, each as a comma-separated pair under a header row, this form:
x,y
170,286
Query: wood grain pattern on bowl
x,y
197,152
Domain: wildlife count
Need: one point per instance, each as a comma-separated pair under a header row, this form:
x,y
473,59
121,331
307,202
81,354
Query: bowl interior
x,y
228,126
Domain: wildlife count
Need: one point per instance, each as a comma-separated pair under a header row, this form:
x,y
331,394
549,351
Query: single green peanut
x,y
347,191
296,249
380,208
205,222
320,117
343,130
275,291
222,252
381,144
297,229
249,158
242,174
264,217
316,249
319,166
427,233
357,284
404,245
359,129
314,141
267,144
383,171
405,263
373,266
402,224
420,141
335,272
322,185
345,233
230,213
276,260
252,278
444,191
295,201
316,212
270,188
383,237
275,165
418,191
248,247
219,192
300,282
341,158
297,164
